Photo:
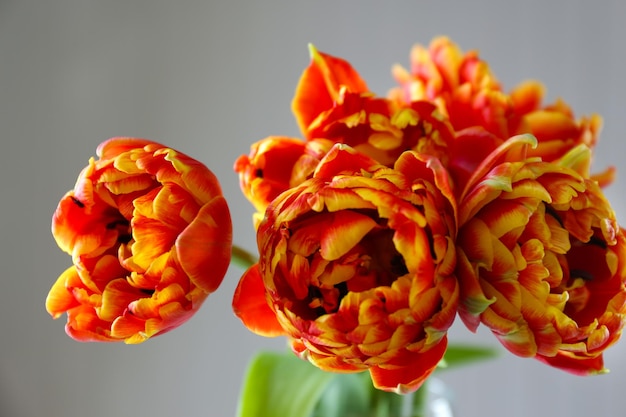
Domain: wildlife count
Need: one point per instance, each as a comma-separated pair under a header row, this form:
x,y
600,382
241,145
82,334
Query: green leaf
x,y
457,355
281,385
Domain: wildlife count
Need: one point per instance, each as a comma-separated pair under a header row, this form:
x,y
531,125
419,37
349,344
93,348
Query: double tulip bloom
x,y
150,236
541,259
387,219
357,268
393,214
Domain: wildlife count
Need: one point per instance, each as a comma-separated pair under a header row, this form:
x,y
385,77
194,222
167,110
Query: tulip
x,y
541,258
483,115
357,268
150,237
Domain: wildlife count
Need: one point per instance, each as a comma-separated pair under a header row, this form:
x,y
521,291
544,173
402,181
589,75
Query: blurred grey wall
x,y
209,78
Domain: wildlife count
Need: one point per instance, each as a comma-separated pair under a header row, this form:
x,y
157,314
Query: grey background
x,y
210,78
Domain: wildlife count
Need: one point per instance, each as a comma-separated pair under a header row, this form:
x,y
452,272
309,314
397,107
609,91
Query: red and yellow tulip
x,y
465,90
357,268
541,258
332,104
150,237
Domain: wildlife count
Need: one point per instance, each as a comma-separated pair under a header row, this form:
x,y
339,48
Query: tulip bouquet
x,y
390,217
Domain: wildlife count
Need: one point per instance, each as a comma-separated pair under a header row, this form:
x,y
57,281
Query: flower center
x,y
587,284
122,226
582,268
372,263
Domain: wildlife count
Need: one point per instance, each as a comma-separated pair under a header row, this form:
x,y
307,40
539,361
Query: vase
x,y
353,396
438,401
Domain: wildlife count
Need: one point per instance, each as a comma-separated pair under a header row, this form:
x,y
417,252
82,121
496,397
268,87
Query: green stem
x,y
242,258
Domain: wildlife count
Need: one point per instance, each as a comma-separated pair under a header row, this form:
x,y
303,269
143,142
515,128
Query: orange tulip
x,y
332,105
357,268
150,237
541,259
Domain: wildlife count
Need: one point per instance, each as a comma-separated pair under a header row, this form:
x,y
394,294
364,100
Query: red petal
x,y
250,305
319,86
343,159
575,365
415,369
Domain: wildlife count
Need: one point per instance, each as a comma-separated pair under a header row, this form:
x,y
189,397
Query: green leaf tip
x,y
459,355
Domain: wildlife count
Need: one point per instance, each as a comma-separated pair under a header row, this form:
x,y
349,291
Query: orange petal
x,y
527,96
116,297
152,239
502,216
345,231
84,325
204,247
146,308
551,125
196,177
111,148
130,328
60,298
